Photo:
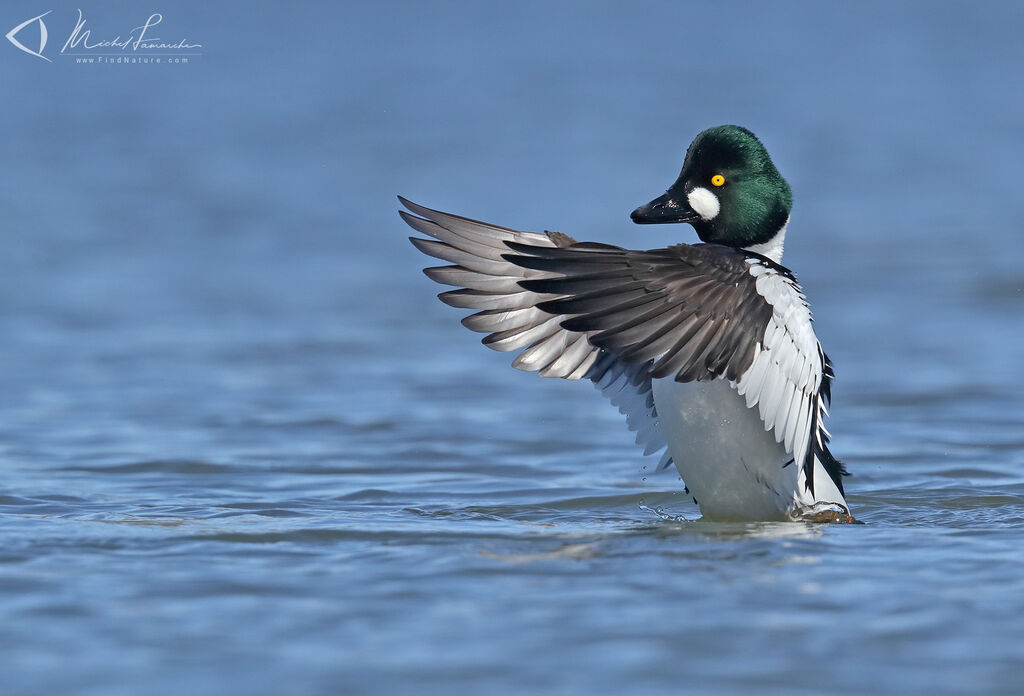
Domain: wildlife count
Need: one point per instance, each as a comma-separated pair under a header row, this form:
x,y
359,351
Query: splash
x,y
660,512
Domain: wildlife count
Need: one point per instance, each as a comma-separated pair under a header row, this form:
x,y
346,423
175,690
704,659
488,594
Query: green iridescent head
x,y
728,189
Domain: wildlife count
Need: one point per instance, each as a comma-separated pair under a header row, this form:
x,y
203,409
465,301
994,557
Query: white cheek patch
x,y
704,203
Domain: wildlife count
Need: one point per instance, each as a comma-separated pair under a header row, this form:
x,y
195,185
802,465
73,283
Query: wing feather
x,y
507,296
622,318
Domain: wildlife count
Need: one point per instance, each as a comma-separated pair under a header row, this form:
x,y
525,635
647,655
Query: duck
x,y
707,348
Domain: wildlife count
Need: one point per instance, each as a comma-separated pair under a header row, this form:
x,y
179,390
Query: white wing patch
x,y
785,377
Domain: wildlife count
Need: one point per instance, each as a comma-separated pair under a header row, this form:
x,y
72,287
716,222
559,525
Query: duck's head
x,y
729,190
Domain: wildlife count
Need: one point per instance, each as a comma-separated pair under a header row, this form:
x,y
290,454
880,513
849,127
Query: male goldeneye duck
x,y
707,348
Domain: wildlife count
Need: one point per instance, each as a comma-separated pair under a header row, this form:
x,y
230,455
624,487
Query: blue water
x,y
244,449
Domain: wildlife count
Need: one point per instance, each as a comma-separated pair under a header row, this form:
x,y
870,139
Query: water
x,y
244,450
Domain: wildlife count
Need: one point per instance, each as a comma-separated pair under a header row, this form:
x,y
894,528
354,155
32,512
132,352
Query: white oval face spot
x,y
704,203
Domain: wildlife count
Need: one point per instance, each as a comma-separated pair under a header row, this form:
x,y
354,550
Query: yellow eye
x,y
717,180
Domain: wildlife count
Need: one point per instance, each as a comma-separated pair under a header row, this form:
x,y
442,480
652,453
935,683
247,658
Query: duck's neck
x,y
773,247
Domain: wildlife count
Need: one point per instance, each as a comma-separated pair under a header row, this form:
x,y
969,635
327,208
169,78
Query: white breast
x,y
732,466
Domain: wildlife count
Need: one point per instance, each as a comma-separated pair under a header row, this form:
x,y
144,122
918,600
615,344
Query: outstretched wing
x,y
690,312
509,314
